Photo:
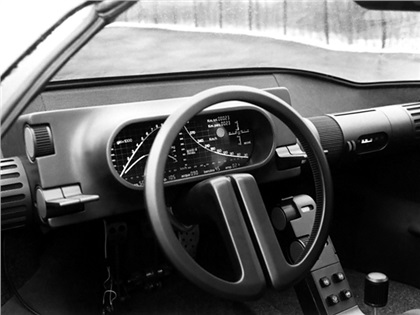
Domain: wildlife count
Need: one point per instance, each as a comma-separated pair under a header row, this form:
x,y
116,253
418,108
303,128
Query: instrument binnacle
x,y
209,143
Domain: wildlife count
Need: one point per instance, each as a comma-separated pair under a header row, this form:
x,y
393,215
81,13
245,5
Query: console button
x,y
346,295
338,277
325,282
332,300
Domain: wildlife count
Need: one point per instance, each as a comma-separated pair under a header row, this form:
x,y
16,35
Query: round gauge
x,y
207,144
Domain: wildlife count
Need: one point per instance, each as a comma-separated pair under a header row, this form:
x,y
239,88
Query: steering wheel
x,y
237,202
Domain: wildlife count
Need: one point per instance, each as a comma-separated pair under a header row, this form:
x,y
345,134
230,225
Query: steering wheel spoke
x,y
279,271
215,200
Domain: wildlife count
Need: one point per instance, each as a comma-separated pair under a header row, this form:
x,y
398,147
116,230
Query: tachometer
x,y
130,150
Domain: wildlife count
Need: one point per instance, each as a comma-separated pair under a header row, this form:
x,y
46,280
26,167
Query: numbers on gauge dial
x,y
140,151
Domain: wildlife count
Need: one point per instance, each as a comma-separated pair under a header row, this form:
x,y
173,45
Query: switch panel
x,y
337,296
338,277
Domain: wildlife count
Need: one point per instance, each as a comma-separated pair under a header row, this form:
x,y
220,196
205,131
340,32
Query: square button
x,y
325,282
338,277
333,300
346,295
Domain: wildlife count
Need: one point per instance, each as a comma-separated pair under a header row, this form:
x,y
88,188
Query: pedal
x,y
189,239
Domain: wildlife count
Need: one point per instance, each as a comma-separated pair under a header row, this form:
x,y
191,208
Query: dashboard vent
x,y
15,194
414,111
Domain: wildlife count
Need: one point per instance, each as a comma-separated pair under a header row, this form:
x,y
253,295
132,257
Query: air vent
x,y
414,111
15,194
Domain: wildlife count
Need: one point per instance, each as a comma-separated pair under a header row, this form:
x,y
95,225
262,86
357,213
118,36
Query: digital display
x,y
206,144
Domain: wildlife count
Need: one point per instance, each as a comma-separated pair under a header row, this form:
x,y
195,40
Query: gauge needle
x,y
173,158
125,170
141,158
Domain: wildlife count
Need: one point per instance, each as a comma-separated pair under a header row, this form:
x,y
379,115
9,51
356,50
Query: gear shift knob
x,y
376,290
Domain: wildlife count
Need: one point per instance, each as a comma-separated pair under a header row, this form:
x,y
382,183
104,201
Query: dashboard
x,y
99,147
94,166
93,170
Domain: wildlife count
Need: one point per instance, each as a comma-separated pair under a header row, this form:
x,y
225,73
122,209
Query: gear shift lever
x,y
376,290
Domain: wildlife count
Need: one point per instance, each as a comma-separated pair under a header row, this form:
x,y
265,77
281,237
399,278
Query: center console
x,y
325,290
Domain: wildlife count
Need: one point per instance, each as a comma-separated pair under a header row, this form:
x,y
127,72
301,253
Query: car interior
x,y
231,191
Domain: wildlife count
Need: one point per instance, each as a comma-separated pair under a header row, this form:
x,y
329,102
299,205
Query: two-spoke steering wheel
x,y
238,202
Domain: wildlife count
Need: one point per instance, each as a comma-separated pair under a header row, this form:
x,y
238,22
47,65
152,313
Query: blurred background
x,y
333,24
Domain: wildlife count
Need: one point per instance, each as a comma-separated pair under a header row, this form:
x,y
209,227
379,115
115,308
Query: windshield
x,y
333,37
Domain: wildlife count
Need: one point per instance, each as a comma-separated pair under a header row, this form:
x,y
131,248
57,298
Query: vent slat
x,y
412,105
6,161
16,203
12,198
8,167
414,111
7,180
13,186
13,223
9,176
13,211
9,193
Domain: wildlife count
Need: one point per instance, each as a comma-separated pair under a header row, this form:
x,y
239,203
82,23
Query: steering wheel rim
x,y
252,281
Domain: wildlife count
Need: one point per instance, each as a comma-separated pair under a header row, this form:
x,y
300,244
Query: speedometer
x,y
206,144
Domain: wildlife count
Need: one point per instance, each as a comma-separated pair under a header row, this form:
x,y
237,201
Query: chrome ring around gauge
x,y
216,142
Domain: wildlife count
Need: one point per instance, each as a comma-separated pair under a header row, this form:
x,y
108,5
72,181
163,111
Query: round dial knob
x,y
38,141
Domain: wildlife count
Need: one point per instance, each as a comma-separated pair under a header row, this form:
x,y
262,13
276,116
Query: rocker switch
x,y
61,201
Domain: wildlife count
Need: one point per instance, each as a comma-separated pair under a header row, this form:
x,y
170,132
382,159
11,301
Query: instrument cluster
x,y
207,144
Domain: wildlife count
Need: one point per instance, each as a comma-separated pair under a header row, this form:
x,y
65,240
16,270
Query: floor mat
x,y
52,294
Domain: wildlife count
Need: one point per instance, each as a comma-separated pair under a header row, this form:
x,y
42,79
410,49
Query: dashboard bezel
x,y
264,143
